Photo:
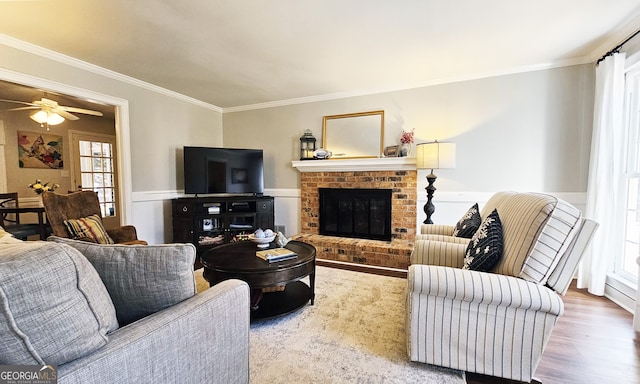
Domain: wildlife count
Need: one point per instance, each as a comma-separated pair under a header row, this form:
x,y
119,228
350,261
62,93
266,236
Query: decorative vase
x,y
405,149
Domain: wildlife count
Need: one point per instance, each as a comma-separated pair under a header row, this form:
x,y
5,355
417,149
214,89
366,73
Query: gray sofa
x,y
120,314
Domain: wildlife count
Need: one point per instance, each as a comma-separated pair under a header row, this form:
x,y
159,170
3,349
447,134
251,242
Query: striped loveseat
x,y
496,323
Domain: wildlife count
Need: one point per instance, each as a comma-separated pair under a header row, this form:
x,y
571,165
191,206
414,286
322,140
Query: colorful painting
x,y
39,150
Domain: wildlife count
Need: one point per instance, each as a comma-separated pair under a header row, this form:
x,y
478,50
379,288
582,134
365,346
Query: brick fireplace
x,y
376,253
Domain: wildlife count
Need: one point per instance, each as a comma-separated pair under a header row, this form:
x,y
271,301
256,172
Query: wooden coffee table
x,y
239,261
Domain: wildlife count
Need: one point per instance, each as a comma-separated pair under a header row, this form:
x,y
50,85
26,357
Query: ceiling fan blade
x,y
64,114
53,106
17,102
23,108
81,110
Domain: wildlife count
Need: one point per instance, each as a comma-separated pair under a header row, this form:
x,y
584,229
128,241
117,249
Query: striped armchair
x,y
496,323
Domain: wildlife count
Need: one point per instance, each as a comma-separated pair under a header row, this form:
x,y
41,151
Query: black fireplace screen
x,y
358,213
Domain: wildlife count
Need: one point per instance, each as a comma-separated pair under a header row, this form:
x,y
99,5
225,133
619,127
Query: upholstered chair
x,y
496,323
78,208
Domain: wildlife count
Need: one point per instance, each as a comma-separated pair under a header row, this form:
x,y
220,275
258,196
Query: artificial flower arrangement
x,y
38,187
407,137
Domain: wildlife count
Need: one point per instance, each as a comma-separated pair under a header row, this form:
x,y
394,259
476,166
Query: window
x,y
97,173
625,265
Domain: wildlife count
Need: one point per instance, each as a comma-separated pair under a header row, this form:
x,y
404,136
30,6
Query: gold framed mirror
x,y
354,135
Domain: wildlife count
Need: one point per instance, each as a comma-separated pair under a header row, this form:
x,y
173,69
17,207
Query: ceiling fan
x,y
50,112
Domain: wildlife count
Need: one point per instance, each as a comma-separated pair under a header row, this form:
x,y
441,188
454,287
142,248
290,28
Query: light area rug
x,y
354,333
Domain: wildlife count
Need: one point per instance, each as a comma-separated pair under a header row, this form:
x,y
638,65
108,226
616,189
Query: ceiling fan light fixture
x,y
44,117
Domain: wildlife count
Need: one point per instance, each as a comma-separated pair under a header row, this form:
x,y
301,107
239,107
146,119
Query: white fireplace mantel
x,y
366,164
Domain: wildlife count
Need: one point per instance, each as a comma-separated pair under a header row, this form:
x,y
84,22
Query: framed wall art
x,y
353,135
39,150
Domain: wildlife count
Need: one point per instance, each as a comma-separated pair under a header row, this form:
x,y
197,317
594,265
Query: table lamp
x,y
432,156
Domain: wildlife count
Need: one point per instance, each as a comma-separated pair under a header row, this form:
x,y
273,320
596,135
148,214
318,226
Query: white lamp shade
x,y
50,118
435,155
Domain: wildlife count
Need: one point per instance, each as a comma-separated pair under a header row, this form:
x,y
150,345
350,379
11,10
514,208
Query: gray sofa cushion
x,y
141,279
53,305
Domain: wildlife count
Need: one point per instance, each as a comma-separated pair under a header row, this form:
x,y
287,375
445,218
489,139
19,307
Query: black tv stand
x,y
249,194
209,221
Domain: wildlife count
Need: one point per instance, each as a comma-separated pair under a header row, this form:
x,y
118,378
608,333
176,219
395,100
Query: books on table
x,y
276,254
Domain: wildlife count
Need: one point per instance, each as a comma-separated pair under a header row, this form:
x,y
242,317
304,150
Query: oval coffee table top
x,y
241,257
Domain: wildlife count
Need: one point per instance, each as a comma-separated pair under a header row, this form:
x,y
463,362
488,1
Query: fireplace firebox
x,y
357,213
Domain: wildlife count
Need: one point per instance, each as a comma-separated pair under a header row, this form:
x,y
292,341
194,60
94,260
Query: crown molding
x,y
68,60
56,56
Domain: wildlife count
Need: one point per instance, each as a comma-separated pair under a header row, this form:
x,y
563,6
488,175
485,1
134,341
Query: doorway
x,y
122,145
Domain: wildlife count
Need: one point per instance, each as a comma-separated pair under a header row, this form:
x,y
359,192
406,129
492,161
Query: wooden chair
x,y
10,212
80,205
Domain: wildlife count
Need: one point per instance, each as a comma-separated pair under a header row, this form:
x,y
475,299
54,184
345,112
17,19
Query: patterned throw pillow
x,y
88,227
469,223
485,248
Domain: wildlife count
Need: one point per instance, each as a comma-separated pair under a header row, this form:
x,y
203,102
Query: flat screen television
x,y
224,171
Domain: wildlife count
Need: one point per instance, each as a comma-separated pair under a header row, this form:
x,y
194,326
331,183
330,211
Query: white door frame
x,y
121,121
3,162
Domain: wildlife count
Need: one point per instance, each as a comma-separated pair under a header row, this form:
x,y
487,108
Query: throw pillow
x,y
485,248
469,223
88,227
54,307
141,279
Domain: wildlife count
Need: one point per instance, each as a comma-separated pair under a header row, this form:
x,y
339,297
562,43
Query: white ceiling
x,y
234,53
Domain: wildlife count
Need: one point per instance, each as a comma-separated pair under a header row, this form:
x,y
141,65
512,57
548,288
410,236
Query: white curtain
x,y
606,169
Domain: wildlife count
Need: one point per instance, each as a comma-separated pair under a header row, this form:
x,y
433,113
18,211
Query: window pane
x,y
97,180
108,180
85,148
97,164
109,210
87,180
631,253
633,227
106,149
96,149
85,164
631,250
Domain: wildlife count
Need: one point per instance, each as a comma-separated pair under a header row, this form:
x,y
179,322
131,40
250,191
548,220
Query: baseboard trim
x,y
384,271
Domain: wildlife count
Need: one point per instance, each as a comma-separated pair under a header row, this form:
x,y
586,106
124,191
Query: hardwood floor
x,y
593,343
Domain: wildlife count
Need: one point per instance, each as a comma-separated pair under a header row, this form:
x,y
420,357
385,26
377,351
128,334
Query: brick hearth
x,y
394,254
